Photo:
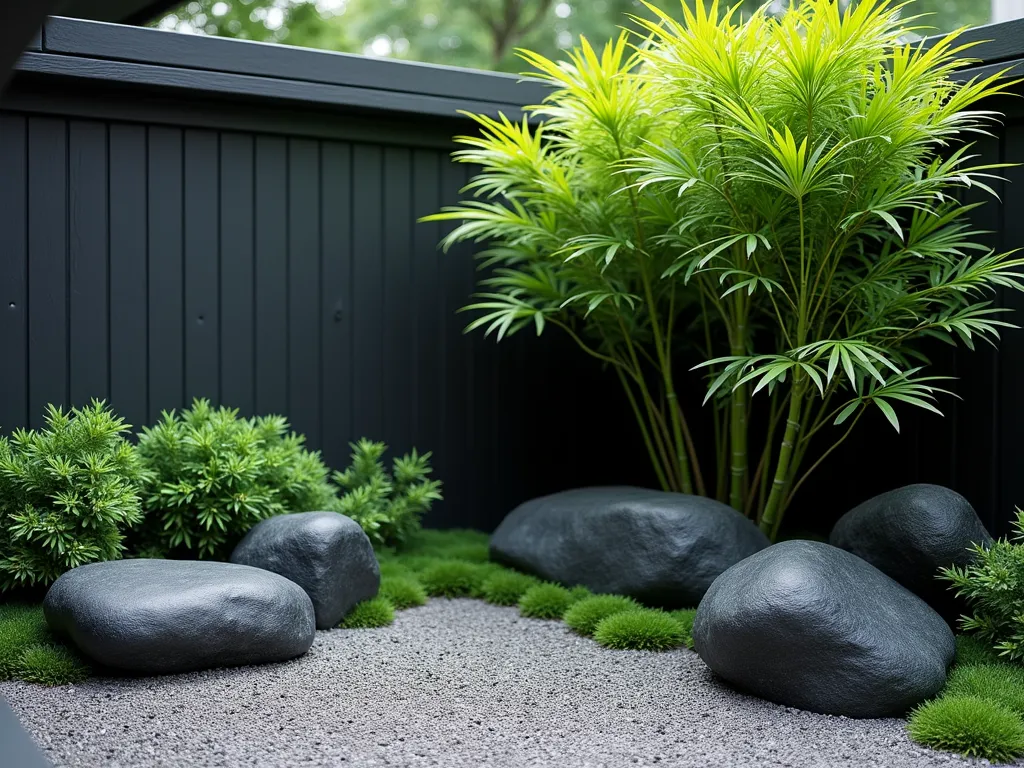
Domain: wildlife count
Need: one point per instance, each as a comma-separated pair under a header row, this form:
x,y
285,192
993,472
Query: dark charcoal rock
x,y
808,625
910,533
325,553
661,548
159,616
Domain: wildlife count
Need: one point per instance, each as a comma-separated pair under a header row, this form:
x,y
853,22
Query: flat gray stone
x,y
325,553
909,534
162,616
660,548
808,625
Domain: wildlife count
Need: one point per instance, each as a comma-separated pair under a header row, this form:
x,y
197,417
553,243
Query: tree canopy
x,y
471,33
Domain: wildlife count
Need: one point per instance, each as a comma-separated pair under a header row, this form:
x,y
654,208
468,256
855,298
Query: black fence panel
x,y
190,217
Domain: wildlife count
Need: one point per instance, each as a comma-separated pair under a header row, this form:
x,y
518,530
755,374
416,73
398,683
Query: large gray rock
x,y
661,548
909,534
160,616
325,553
811,626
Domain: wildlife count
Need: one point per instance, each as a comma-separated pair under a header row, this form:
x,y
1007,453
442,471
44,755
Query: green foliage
x,y
213,475
777,197
395,568
971,651
471,33
993,585
579,592
48,664
67,494
453,578
970,726
545,601
685,618
1001,683
21,627
585,615
507,587
402,592
640,630
370,614
387,506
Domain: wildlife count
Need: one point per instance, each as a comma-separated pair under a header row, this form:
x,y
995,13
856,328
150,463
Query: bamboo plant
x,y
777,195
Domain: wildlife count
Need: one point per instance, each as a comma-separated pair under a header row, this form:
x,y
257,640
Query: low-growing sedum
x,y
67,494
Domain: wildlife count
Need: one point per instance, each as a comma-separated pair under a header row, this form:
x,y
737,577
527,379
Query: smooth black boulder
x,y
909,534
162,616
808,625
325,553
660,548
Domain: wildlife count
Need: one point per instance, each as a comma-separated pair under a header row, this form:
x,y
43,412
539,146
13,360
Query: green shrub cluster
x,y
402,591
67,494
29,652
507,588
212,475
993,585
387,506
454,578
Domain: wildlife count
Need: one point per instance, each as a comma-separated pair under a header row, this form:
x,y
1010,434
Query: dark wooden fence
x,y
191,217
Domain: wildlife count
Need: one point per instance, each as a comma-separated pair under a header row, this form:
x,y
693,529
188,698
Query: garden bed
x,y
453,683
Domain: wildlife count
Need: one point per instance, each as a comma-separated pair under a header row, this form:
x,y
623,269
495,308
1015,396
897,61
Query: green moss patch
x,y
970,726
402,592
685,618
48,664
1000,683
640,630
506,587
545,601
584,616
21,627
970,651
370,614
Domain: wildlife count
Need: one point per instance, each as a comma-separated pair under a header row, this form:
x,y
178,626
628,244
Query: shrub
x,y
453,578
1001,683
395,568
67,494
213,475
370,614
765,188
48,664
585,615
507,587
993,585
968,725
402,592
970,651
21,627
640,630
545,601
685,618
388,507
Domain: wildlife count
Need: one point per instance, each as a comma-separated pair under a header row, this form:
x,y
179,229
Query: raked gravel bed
x,y
456,683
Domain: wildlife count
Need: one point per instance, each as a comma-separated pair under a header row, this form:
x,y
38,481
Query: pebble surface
x,y
457,683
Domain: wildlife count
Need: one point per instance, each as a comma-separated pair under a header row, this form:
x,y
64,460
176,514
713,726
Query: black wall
x,y
185,217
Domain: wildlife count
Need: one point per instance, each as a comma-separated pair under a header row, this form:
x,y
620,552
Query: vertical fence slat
x,y
271,275
13,273
367,301
87,196
128,273
428,262
237,321
166,305
202,267
47,265
304,289
399,331
336,302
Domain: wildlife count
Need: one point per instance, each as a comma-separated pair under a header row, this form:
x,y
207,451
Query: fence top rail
x,y
120,55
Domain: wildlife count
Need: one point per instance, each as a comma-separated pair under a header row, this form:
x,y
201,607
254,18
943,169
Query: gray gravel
x,y
456,683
